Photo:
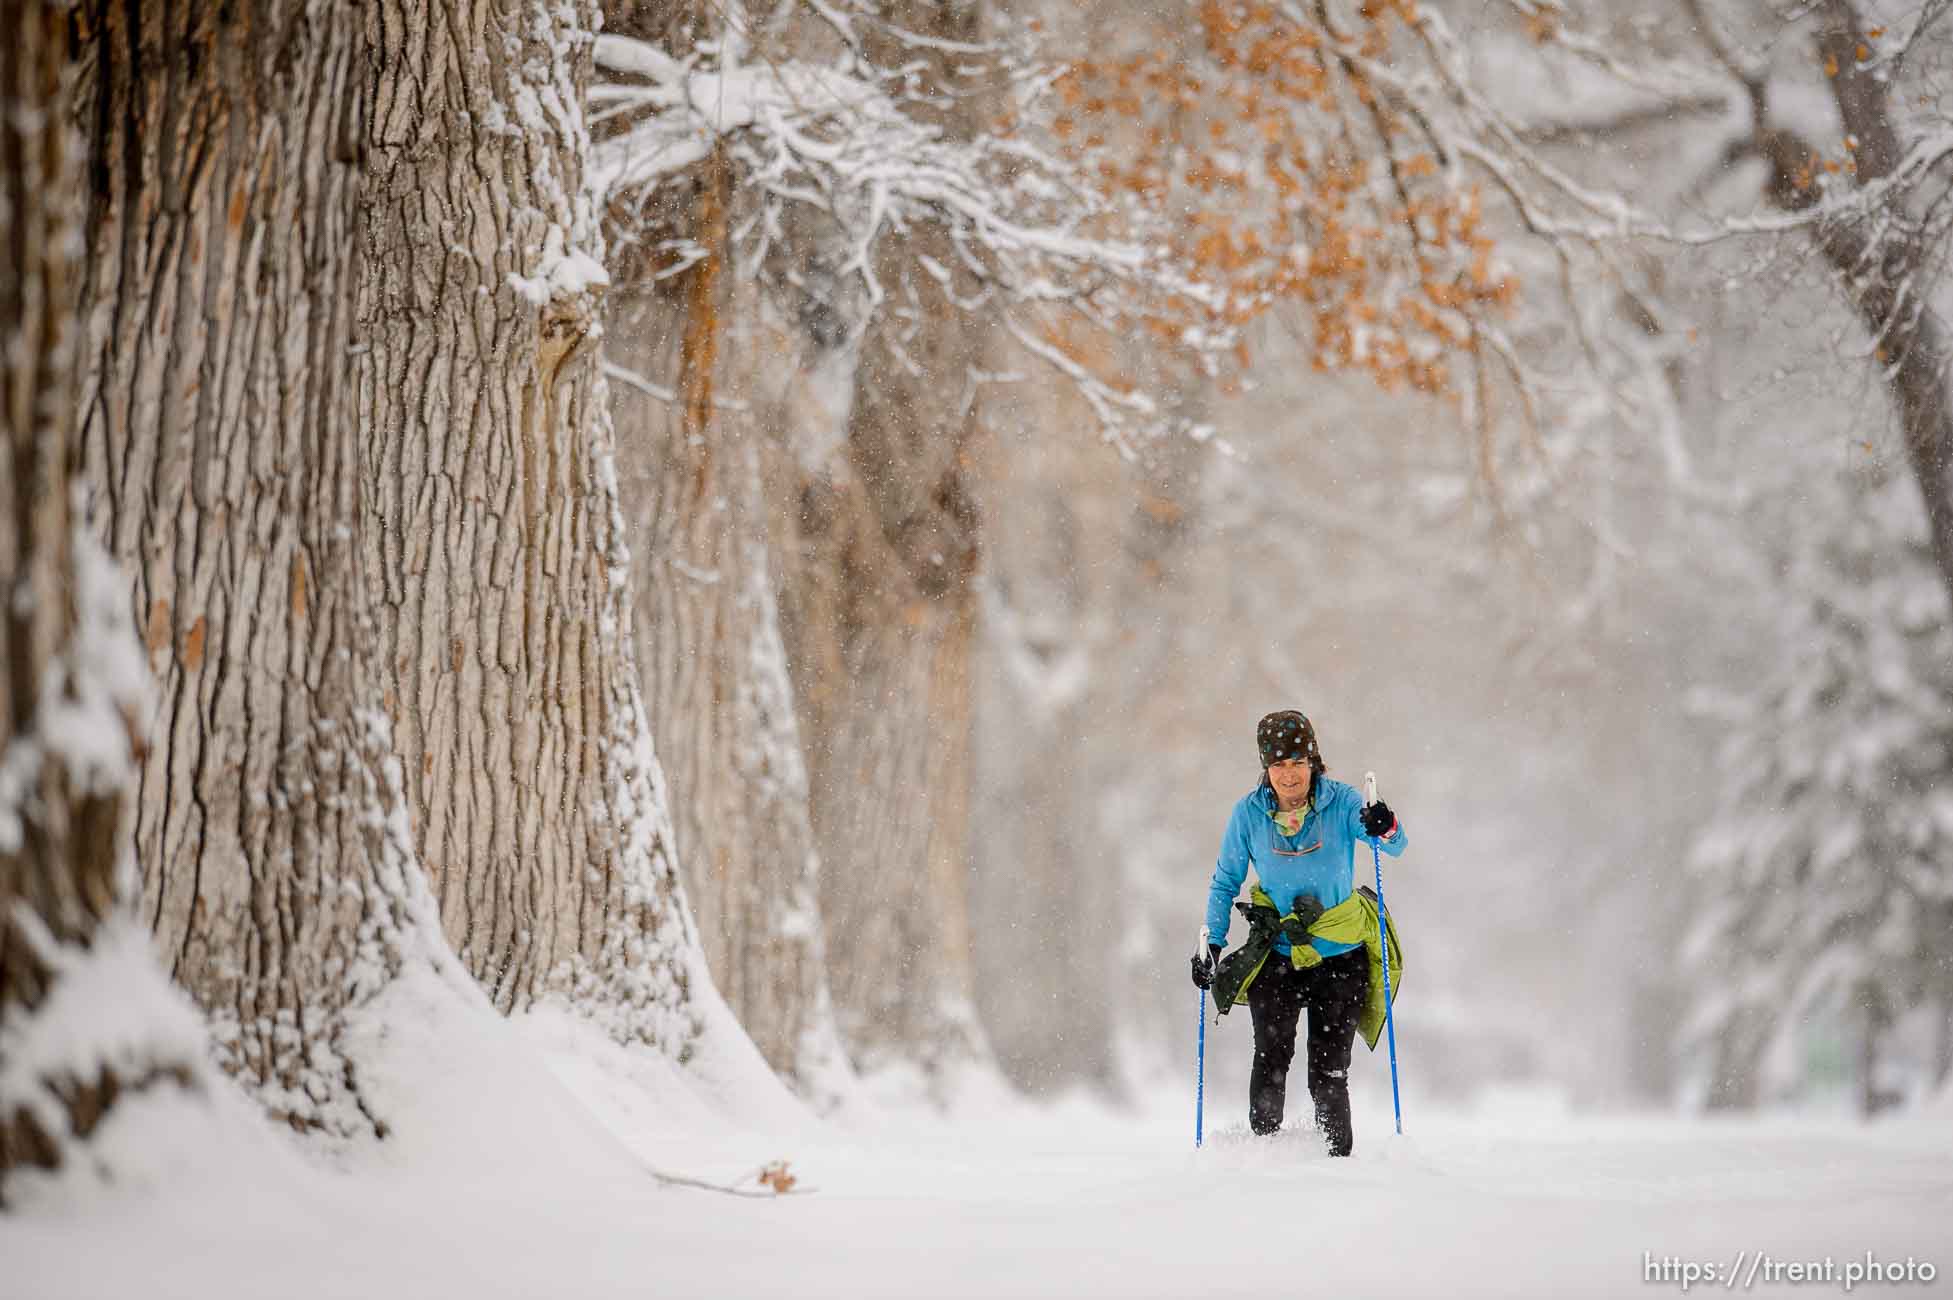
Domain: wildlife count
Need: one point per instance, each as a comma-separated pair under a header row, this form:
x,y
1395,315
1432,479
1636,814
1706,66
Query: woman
x,y
1299,829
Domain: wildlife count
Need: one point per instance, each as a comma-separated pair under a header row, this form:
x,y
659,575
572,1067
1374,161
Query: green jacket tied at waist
x,y
1354,920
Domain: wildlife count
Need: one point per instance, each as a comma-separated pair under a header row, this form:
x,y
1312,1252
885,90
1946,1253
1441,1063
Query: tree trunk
x,y
72,686
880,540
715,669
498,554
878,611
1943,1041
220,432
1883,265
885,680
1736,1059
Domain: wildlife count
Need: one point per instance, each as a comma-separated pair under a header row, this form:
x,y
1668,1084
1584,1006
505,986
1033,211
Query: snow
x,y
851,148
561,273
86,713
91,694
546,103
107,1008
521,1155
539,1156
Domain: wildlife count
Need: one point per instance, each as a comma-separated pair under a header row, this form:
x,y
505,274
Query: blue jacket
x,y
1319,860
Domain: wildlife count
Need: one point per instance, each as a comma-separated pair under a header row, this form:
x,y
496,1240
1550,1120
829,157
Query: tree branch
x,y
1624,122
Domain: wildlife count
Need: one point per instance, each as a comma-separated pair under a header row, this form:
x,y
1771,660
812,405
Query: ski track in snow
x,y
518,1169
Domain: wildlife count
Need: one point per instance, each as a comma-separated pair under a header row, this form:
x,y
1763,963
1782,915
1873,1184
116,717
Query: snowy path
x,y
1064,1203
1103,1210
1099,1211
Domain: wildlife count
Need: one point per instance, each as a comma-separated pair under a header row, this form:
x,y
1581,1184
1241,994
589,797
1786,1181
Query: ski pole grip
x,y
1369,788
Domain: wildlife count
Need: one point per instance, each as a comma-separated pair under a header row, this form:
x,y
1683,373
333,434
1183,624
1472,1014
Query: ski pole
x,y
1383,942
1200,1051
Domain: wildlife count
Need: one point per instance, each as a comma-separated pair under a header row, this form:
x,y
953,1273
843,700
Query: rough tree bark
x,y
715,670
69,740
219,432
498,552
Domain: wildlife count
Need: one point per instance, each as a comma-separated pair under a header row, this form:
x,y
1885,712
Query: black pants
x,y
1333,992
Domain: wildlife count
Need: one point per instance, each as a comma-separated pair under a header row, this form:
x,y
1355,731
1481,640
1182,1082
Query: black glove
x,y
1203,967
1378,820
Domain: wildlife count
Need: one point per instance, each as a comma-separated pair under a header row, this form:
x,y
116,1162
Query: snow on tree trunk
x,y
865,500
219,433
498,553
715,669
73,689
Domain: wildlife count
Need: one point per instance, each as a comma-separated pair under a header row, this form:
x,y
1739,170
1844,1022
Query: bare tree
x,y
219,433
720,459
497,550
880,613
1873,202
798,521
1878,212
1865,187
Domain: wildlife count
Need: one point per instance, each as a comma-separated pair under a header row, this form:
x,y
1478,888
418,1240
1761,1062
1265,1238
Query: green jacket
x,y
1354,920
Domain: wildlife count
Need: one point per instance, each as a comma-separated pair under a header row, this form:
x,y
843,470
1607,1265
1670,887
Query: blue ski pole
x,y
1200,1052
1383,942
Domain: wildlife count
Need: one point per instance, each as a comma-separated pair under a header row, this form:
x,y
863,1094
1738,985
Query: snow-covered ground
x,y
520,1167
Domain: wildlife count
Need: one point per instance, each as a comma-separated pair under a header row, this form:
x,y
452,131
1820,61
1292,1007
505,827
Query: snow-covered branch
x,y
864,151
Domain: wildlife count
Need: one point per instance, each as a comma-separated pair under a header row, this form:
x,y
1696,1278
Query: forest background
x,y
803,503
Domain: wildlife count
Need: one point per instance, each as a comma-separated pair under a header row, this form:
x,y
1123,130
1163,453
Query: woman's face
x,y
1290,777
